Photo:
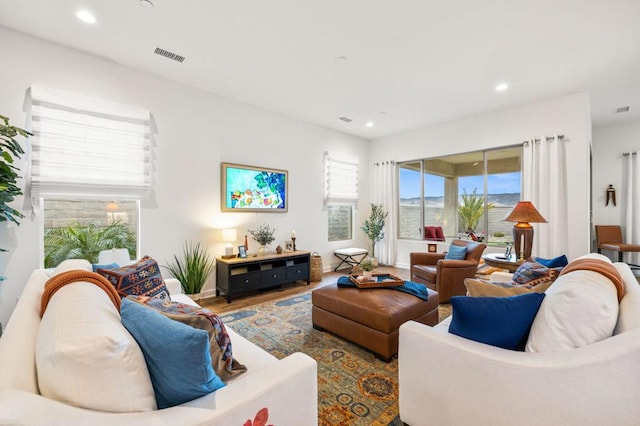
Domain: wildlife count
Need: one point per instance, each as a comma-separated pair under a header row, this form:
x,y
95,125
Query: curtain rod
x,y
384,162
626,154
547,138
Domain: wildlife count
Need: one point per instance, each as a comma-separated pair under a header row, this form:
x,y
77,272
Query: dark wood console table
x,y
239,275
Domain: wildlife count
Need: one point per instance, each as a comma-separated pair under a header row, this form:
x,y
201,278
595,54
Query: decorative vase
x,y
262,250
367,275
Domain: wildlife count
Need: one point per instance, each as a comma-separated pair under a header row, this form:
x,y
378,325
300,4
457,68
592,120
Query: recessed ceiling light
x,y
502,87
369,124
86,16
146,3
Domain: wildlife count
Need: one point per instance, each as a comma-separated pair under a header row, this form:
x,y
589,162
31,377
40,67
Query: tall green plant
x,y
374,225
192,269
10,150
471,209
85,242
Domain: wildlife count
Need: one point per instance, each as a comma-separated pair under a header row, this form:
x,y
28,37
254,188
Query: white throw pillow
x,y
580,308
86,358
629,315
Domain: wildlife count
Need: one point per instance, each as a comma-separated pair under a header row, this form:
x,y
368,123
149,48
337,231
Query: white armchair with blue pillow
x,y
70,356
568,356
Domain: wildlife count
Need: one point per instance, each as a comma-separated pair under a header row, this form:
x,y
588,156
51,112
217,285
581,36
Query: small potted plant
x,y
367,267
263,235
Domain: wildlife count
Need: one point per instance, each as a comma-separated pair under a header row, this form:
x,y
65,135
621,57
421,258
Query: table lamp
x,y
229,236
523,213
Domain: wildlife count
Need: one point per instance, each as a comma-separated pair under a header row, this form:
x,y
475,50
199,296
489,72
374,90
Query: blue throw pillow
x,y
499,321
177,355
456,252
97,266
556,262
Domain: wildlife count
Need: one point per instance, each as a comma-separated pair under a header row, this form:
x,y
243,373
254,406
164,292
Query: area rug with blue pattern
x,y
354,387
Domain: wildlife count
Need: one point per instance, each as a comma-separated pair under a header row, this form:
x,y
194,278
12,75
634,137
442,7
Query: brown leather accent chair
x,y
609,237
446,276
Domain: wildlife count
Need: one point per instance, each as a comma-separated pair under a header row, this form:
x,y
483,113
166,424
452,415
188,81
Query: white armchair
x,y
449,380
445,379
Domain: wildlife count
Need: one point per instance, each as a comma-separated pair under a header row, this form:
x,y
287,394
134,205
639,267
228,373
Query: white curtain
x,y
631,204
545,185
385,193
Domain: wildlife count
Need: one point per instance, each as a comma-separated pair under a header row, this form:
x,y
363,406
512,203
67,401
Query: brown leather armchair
x,y
446,276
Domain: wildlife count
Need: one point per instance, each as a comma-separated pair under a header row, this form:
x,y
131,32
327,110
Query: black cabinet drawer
x,y
243,282
298,272
275,276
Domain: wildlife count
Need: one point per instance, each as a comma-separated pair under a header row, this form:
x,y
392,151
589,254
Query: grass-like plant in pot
x,y
192,269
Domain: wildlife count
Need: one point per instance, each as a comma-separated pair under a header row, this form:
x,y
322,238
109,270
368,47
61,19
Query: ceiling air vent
x,y
622,109
345,119
168,54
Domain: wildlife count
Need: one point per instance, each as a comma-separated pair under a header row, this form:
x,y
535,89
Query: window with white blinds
x,y
86,147
341,180
341,196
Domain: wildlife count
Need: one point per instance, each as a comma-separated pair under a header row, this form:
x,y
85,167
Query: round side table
x,y
498,260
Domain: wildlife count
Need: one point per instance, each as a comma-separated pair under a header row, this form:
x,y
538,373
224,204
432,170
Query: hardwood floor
x,y
219,304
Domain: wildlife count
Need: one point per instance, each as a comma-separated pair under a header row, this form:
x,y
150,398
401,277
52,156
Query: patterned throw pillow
x,y
481,288
142,278
222,361
531,273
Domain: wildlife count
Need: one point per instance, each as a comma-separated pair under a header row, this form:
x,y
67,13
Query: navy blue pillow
x,y
556,262
456,252
97,266
499,321
177,355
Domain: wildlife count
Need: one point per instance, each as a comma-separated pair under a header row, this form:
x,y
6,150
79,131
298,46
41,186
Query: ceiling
x,y
400,64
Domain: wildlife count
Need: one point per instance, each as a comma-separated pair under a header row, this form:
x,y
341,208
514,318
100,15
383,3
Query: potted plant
x,y
373,227
263,235
367,266
192,269
10,150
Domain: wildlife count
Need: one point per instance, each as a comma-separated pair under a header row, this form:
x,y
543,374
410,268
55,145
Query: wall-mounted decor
x,y
253,189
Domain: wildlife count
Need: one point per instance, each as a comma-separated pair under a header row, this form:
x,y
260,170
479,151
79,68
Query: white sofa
x,y
445,379
287,387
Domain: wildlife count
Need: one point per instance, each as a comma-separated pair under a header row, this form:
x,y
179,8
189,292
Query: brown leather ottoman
x,y
370,317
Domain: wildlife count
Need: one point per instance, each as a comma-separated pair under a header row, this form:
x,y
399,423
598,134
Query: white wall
x,y
609,143
196,131
568,115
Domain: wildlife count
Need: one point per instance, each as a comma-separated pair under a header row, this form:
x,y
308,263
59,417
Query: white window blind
x,y
342,180
86,147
